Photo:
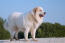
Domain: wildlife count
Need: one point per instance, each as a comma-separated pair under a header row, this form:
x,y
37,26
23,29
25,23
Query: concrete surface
x,y
40,40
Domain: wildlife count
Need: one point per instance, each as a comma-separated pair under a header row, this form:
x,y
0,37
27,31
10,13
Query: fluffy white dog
x,y
26,23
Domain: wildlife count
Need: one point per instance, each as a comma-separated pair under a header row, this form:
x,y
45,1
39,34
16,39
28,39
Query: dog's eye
x,y
40,10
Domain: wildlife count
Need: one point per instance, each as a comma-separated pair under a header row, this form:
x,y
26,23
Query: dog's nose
x,y
44,13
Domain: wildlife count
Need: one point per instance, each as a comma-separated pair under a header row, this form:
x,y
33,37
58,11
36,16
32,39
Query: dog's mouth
x,y
41,15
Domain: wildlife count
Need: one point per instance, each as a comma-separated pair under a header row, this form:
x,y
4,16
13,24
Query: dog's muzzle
x,y
42,15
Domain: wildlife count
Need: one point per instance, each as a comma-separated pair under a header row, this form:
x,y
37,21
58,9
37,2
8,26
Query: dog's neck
x,y
34,18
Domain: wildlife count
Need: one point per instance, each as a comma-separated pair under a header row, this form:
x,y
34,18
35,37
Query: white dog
x,y
26,23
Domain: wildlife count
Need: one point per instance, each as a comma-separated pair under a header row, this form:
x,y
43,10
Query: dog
x,y
28,22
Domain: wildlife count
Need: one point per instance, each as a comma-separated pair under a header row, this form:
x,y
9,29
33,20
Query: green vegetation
x,y
3,33
51,30
45,30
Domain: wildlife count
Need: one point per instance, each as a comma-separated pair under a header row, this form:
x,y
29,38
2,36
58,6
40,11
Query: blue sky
x,y
55,8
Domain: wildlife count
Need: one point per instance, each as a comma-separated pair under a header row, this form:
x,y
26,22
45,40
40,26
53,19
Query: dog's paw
x,y
11,39
26,40
16,39
35,40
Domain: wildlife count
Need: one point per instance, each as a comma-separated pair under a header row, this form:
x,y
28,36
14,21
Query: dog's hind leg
x,y
16,36
16,32
12,32
12,35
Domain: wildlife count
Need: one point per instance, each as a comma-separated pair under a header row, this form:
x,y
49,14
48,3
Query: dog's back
x,y
11,19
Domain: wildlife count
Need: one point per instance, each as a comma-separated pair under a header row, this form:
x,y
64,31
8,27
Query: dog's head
x,y
38,11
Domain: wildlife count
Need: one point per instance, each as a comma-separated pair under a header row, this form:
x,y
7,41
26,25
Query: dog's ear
x,y
34,10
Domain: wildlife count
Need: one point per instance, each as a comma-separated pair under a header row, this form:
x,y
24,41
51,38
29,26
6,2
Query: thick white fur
x,y
24,22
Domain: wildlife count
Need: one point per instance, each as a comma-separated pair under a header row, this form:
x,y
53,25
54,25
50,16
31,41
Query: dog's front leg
x,y
26,34
33,32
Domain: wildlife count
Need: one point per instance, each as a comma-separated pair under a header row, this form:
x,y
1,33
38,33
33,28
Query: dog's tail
x,y
6,25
